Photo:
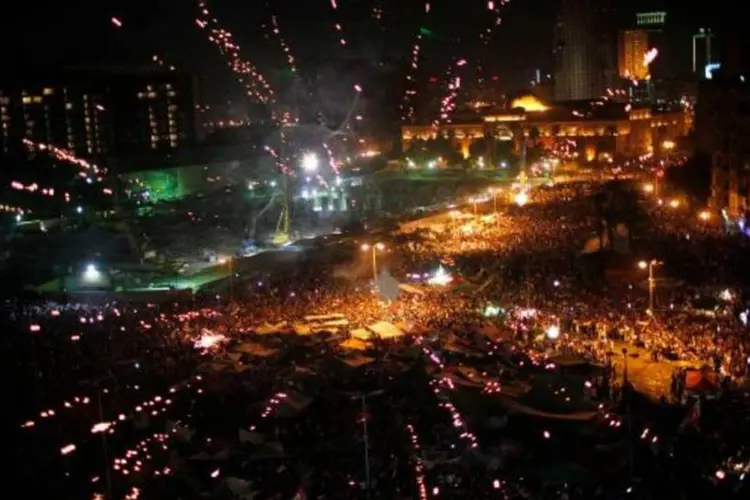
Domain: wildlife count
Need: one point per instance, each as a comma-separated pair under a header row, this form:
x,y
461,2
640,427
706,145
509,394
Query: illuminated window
x,y
171,93
172,137
141,95
26,99
68,105
168,86
149,88
151,95
48,91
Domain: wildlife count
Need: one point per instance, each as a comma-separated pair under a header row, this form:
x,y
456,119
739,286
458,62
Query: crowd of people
x,y
163,400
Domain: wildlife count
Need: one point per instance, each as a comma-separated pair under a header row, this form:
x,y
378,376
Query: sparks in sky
x,y
63,155
247,74
408,104
282,44
338,27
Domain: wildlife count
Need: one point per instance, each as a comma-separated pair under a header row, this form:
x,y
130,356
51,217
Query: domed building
x,y
594,128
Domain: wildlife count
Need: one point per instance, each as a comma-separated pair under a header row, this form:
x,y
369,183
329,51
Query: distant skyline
x,y
71,33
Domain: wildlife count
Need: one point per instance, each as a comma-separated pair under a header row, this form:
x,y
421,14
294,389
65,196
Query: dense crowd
x,y
218,396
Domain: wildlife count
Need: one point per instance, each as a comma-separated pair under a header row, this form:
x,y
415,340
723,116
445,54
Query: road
x,y
652,378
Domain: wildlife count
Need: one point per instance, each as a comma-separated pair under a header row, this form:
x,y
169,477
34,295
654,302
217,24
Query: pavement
x,y
652,378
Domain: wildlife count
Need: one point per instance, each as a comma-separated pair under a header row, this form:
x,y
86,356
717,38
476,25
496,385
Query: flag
x,y
693,416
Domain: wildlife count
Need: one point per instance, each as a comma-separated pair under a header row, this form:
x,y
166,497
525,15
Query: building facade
x,y
616,131
722,131
585,50
633,47
101,112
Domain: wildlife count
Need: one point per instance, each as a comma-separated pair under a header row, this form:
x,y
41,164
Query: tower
x,y
585,50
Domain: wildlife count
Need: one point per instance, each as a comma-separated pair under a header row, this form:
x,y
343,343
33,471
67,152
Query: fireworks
x,y
282,43
339,29
63,155
247,74
448,103
494,8
416,50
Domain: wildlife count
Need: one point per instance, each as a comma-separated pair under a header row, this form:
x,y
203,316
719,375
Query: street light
x,y
91,274
310,162
377,247
650,265
474,204
493,191
363,400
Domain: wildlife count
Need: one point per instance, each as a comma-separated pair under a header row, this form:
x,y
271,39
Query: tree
x,y
694,177
478,148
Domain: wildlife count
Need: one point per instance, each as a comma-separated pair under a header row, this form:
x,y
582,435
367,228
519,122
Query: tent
x,y
267,329
385,330
411,289
354,344
703,382
356,361
256,349
361,334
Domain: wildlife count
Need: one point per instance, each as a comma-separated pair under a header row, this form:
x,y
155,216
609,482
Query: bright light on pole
x,y
91,274
377,247
650,265
310,162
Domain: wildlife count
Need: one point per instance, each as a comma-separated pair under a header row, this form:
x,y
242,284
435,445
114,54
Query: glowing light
x,y
440,277
650,56
552,332
521,198
209,340
310,162
704,215
529,103
91,274
648,188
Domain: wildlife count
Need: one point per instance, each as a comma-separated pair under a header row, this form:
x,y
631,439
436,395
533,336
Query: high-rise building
x,y
100,112
650,20
585,51
703,51
632,54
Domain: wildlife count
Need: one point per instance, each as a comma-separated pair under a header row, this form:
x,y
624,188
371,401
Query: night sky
x,y
377,53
